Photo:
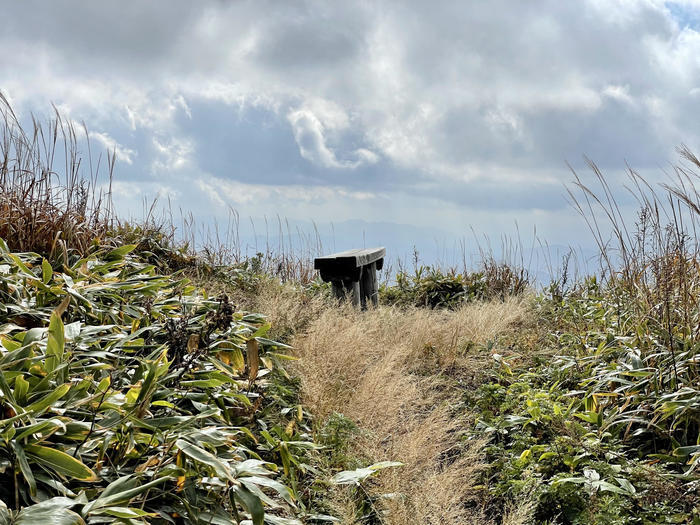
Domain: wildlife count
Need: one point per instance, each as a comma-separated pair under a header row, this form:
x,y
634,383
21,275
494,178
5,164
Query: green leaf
x,y
24,467
608,487
46,271
55,511
50,424
578,480
23,267
626,485
38,407
117,492
120,491
237,360
203,383
270,342
124,512
162,403
278,487
61,462
595,418
680,451
261,331
55,344
21,389
118,253
349,477
5,518
202,456
5,389
251,503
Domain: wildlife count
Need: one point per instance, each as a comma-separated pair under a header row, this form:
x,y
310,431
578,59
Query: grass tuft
x,y
52,199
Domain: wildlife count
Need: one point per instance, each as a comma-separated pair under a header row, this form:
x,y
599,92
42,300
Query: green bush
x,y
604,431
127,397
432,287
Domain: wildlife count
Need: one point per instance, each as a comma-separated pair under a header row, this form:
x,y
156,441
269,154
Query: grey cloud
x,y
460,102
252,145
112,34
312,36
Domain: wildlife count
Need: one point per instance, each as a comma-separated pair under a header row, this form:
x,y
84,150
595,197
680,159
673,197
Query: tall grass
x,y
284,252
55,199
51,194
651,290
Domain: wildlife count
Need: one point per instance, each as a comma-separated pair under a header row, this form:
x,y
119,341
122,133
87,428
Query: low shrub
x,y
432,287
599,429
127,397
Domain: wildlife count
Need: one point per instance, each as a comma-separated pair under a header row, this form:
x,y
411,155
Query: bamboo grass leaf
x,y
49,399
121,491
55,511
60,462
24,467
251,503
202,456
55,345
46,271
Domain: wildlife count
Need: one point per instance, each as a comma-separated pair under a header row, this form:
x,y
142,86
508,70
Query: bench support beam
x,y
347,289
369,289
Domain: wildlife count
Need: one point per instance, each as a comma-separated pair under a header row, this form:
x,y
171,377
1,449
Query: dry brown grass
x,y
521,512
50,196
398,374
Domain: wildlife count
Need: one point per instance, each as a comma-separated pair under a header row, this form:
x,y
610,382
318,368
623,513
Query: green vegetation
x,y
597,428
127,395
433,287
598,421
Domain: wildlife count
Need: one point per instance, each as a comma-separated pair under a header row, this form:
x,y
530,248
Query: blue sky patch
x,y
685,15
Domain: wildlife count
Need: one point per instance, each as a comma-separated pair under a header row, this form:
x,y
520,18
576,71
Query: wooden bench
x,y
353,273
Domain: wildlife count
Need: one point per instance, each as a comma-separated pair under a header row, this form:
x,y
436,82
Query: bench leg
x,y
347,289
369,288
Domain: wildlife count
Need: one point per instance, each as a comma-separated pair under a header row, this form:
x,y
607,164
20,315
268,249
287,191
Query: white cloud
x,y
309,133
122,153
226,193
173,154
619,93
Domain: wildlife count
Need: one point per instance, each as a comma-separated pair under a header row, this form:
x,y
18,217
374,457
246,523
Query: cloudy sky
x,y
422,119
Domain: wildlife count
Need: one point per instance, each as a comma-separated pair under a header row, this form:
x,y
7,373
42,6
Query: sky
x,y
399,123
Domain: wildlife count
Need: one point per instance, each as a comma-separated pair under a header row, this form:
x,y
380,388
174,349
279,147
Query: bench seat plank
x,y
350,259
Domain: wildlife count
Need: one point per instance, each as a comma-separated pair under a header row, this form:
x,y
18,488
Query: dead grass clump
x,y
437,481
394,372
290,308
43,208
520,512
